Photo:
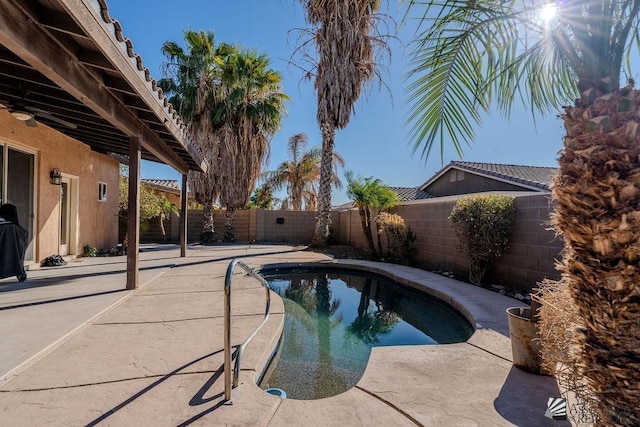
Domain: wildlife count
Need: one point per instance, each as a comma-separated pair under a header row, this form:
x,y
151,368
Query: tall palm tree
x,y
472,53
301,173
344,37
183,72
246,106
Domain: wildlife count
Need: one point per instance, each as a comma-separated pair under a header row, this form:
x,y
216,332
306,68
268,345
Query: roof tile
x,y
536,176
411,193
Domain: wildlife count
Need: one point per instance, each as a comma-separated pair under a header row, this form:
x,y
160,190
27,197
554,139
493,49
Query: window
x,y
102,191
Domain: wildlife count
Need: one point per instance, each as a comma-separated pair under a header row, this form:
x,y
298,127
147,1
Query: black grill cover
x,y
13,243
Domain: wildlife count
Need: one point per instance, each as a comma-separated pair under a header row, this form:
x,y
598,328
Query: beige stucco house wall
x,y
91,221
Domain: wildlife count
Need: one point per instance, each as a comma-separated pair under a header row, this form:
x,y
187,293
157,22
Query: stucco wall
x,y
97,222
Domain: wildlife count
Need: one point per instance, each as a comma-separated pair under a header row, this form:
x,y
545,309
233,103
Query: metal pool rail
x,y
227,325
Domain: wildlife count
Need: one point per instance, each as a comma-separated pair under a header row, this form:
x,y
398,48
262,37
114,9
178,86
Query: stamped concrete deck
x,y
78,350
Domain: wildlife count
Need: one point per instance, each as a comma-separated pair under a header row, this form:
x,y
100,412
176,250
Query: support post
x,y
227,334
133,225
184,210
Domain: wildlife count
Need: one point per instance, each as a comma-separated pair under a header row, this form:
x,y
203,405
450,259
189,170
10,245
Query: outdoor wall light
x,y
56,178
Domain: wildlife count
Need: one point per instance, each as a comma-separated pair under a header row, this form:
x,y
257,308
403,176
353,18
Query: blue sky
x,y
376,141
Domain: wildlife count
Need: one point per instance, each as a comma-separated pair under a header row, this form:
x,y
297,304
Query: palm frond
x,y
474,54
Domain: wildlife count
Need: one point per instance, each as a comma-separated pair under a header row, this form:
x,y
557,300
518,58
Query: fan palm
x,y
472,53
184,71
342,33
301,173
245,106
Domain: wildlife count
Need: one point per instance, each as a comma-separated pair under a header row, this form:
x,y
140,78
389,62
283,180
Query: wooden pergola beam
x,y
23,37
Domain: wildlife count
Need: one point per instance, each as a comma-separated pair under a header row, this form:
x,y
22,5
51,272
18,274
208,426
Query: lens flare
x,y
548,12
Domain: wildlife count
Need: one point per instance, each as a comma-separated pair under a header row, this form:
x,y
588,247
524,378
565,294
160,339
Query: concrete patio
x,y
77,349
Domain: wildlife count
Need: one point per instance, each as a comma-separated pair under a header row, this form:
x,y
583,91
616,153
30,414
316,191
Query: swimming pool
x,y
334,317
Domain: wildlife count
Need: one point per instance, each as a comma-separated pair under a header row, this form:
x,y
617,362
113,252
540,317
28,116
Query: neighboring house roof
x,y
347,205
411,193
168,185
406,194
532,177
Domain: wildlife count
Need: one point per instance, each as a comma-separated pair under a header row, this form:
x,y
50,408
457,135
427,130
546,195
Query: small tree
x,y
483,224
152,205
370,197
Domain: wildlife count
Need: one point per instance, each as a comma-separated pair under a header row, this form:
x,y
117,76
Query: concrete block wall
x,y
259,225
244,221
531,257
535,249
351,229
295,227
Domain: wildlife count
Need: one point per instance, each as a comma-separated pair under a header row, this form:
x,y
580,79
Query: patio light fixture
x,y
23,116
56,178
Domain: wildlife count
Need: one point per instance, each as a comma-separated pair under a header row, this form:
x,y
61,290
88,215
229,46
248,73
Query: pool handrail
x,y
227,324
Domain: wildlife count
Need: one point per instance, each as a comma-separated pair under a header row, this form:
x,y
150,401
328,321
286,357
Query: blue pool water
x,y
332,320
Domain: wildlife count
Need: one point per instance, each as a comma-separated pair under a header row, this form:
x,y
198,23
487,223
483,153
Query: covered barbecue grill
x,y
13,243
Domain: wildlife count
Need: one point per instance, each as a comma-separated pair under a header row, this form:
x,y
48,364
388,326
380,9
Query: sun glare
x,y
548,12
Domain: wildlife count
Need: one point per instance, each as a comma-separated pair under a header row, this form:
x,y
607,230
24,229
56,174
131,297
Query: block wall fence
x,y
532,255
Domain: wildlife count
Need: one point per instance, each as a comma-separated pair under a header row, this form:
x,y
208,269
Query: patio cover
x,y
69,59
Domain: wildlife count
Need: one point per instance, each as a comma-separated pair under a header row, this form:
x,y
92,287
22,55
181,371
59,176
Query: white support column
x,y
133,226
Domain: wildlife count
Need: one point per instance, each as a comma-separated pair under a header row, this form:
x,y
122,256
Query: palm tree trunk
x,y
208,234
229,227
296,198
379,238
323,215
162,230
365,222
597,195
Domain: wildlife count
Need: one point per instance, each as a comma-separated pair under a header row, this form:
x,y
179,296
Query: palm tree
x,y
183,74
342,34
370,196
301,173
245,107
262,198
471,53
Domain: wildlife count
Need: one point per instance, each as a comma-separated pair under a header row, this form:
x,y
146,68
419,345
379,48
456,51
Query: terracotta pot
x,y
525,340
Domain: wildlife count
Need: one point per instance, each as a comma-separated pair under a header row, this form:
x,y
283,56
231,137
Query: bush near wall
x,y
483,224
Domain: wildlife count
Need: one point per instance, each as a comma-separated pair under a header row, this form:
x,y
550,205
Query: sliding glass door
x,y
17,180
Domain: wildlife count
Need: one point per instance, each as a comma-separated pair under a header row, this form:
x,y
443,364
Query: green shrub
x,y
90,250
483,224
399,238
